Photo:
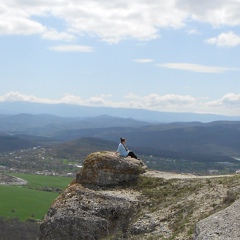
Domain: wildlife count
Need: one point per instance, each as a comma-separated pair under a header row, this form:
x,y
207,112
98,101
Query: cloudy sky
x,y
175,55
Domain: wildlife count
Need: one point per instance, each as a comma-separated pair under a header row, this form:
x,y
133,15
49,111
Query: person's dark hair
x,y
122,139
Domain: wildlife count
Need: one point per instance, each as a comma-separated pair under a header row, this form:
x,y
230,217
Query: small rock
x,y
145,224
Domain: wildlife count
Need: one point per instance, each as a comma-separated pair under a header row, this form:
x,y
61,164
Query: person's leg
x,y
132,155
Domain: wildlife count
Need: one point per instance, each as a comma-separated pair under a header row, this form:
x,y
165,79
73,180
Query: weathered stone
x,y
223,225
106,168
81,213
145,224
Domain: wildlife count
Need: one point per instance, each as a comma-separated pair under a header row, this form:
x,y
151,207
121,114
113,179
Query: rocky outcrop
x,y
83,213
90,208
106,168
223,225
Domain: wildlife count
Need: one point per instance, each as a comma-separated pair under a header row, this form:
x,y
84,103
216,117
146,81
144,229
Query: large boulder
x,y
81,213
85,211
223,225
106,168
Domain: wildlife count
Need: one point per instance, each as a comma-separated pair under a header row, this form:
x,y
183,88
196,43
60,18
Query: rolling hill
x,y
196,141
10,143
216,141
47,125
80,148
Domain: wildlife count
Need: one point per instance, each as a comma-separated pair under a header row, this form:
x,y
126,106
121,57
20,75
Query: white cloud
x,y
171,102
71,99
67,99
110,21
229,100
196,67
19,26
16,96
143,60
113,21
229,104
96,101
55,35
229,39
215,12
71,48
193,31
18,21
118,20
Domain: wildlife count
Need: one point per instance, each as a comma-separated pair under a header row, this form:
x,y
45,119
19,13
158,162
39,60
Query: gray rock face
x,y
85,211
144,224
82,213
223,225
106,168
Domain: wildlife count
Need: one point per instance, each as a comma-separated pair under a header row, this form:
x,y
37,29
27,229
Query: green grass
x,y
30,201
22,203
40,181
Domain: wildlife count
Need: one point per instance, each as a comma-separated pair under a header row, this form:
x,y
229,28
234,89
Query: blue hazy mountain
x,y
67,110
47,125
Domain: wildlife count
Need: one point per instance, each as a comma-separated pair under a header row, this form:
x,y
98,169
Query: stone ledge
x,y
106,168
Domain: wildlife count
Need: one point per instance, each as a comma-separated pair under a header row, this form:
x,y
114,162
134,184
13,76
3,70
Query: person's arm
x,y
118,151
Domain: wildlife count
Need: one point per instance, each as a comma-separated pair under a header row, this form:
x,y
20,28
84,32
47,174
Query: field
x,y
33,200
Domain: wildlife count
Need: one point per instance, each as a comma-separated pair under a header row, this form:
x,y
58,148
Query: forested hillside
x,y
70,140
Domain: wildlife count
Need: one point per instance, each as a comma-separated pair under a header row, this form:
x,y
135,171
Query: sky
x,y
171,56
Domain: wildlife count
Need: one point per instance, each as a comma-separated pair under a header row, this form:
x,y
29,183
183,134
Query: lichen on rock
x,y
106,168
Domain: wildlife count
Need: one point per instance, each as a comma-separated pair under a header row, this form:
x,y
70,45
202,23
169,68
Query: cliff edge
x,y
88,208
112,198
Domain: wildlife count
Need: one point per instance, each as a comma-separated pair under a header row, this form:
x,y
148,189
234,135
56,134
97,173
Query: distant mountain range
x,y
67,110
80,127
214,141
50,125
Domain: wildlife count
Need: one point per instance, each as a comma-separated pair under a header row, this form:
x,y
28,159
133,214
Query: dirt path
x,y
171,175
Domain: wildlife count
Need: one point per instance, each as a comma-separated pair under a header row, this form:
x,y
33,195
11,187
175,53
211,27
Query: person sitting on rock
x,y
123,150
